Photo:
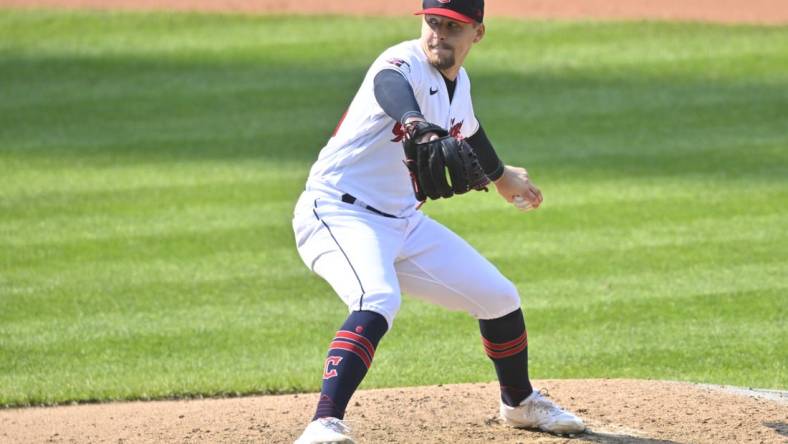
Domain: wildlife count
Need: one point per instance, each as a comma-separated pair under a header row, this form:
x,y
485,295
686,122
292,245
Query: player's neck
x,y
451,73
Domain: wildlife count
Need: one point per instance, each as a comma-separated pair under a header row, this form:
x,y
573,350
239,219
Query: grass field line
x,y
39,335
609,101
178,221
566,194
588,247
708,231
666,259
128,275
654,234
705,333
558,294
91,196
130,32
724,140
144,86
134,221
202,319
572,292
26,183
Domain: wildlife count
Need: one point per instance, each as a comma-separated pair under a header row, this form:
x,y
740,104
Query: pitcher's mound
x,y
616,411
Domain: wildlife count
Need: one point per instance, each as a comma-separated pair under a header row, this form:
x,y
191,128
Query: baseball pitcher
x,y
411,135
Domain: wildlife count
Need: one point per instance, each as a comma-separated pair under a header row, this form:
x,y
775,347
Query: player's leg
x,y
353,250
350,352
440,267
443,268
348,360
506,343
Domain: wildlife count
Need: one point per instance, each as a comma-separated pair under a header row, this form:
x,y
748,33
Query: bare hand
x,y
515,186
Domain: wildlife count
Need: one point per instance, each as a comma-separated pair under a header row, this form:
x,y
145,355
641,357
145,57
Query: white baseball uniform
x,y
369,258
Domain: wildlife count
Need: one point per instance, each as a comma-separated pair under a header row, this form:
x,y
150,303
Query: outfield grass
x,y
149,164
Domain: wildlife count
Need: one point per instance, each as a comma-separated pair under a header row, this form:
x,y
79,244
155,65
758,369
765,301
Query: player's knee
x,y
386,304
502,299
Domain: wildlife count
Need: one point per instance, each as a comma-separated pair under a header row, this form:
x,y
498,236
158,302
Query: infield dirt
x,y
726,11
616,411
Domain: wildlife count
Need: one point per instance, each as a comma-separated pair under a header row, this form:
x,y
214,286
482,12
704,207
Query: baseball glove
x,y
431,162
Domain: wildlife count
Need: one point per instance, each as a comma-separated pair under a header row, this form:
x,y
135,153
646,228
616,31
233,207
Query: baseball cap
x,y
466,11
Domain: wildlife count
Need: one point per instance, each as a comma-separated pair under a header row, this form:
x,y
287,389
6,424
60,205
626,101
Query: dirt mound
x,y
616,411
727,11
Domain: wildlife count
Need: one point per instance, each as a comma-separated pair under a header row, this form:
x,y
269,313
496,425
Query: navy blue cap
x,y
466,11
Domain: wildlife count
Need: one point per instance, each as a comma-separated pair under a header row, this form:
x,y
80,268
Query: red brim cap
x,y
454,15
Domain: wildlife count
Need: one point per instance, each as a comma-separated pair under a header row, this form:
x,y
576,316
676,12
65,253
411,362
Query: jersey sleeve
x,y
395,95
403,61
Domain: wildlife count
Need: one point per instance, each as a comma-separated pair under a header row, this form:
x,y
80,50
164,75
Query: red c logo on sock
x,y
331,360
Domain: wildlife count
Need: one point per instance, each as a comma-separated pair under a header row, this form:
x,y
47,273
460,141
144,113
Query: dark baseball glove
x,y
443,167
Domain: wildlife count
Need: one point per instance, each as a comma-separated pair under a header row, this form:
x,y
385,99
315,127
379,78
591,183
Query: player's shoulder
x,y
464,79
463,73
408,48
407,54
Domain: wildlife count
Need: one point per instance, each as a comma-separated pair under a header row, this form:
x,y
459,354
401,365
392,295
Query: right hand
x,y
516,187
428,137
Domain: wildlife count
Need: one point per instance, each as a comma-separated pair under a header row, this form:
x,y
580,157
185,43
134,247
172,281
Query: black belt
x,y
347,198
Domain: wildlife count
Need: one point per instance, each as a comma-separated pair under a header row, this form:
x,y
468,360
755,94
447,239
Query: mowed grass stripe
x,y
654,285
190,245
627,293
92,293
616,215
172,285
723,240
79,196
566,342
119,203
126,220
68,217
121,362
595,352
71,177
151,163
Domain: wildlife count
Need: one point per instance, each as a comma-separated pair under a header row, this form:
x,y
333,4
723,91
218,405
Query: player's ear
x,y
480,31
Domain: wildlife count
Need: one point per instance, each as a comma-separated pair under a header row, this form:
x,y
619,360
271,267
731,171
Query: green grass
x,y
149,164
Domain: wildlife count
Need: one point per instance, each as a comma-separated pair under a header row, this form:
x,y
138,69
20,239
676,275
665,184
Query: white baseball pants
x,y
368,259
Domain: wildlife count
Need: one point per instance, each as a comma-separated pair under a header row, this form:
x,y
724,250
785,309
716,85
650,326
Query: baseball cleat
x,y
326,431
538,412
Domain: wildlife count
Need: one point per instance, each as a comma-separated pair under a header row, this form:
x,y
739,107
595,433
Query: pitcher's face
x,y
447,42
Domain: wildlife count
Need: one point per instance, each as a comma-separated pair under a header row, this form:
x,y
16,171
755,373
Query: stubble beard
x,y
442,62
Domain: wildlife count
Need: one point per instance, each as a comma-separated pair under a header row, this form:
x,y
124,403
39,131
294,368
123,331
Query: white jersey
x,y
364,157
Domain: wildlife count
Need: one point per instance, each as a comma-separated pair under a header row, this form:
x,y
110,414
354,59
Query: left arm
x,y
512,183
492,165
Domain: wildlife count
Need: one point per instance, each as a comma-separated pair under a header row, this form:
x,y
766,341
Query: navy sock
x,y
506,343
349,357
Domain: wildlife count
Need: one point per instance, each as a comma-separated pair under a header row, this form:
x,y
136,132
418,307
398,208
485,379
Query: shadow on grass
x,y
104,111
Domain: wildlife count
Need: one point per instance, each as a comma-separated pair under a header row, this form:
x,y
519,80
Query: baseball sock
x,y
349,357
506,343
